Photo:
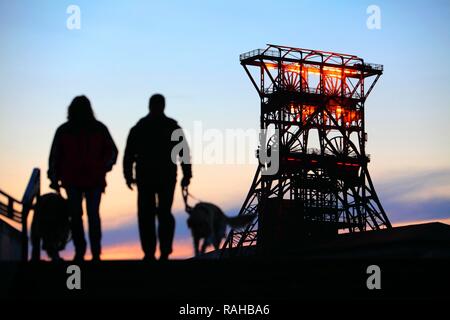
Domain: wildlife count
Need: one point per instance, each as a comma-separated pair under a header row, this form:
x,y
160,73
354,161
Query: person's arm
x,y
129,158
112,151
185,160
54,161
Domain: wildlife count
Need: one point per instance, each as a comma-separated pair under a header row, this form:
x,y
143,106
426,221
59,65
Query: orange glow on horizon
x,y
413,222
182,249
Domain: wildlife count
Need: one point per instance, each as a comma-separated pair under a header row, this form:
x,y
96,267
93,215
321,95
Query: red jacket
x,y
82,155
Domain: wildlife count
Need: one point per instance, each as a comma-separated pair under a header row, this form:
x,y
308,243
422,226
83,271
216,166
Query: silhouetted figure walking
x,y
150,147
82,153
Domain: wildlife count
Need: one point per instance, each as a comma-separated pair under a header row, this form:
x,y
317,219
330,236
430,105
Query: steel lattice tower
x,y
315,101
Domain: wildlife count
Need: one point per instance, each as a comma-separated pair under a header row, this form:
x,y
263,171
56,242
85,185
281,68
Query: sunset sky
x,y
188,50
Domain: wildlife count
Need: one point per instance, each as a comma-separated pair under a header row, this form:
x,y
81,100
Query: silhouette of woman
x,y
82,152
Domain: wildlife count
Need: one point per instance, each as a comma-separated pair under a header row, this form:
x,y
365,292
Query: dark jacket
x,y
150,146
81,155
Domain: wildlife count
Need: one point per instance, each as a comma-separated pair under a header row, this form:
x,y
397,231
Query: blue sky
x,y
188,50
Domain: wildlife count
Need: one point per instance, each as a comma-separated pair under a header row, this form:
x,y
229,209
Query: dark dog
x,y
209,223
51,224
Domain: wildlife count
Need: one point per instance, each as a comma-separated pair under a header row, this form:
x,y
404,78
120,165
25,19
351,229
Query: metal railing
x,y
311,90
374,66
275,53
258,52
9,209
18,211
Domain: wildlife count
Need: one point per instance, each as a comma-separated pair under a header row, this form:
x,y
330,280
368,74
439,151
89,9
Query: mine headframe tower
x,y
313,103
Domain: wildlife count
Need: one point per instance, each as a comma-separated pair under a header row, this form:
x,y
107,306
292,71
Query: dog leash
x,y
186,194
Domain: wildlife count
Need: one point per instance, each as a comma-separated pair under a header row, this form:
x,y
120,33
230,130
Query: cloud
x,y
416,196
418,210
411,186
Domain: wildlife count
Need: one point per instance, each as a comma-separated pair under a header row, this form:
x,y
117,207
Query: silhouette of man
x,y
82,153
150,147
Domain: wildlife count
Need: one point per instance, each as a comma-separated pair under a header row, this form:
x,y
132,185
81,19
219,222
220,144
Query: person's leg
x,y
166,221
93,198
75,199
53,254
146,220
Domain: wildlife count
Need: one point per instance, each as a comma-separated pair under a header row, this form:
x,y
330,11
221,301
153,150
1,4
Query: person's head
x,y
80,110
157,104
